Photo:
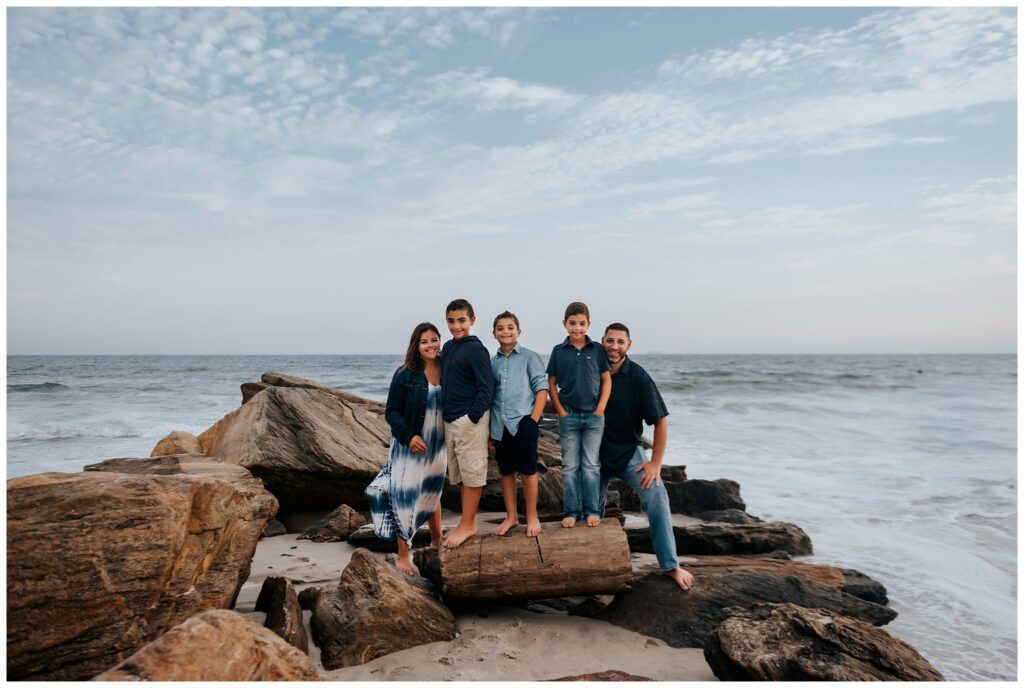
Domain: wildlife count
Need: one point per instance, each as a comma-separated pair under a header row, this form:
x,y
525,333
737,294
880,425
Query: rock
x,y
284,616
219,645
171,464
714,566
364,537
100,563
314,449
610,675
727,538
375,611
688,497
335,526
282,380
656,607
177,442
673,474
864,587
785,642
251,389
309,596
728,516
273,529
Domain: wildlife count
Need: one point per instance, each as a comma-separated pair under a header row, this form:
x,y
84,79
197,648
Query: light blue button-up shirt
x,y
517,379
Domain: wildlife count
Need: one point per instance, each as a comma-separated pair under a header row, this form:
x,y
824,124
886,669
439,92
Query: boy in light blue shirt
x,y
520,393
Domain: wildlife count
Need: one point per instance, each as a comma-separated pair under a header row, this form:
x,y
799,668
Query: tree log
x,y
561,561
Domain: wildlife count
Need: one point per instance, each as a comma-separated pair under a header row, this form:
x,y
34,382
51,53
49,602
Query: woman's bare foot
x,y
593,520
533,527
682,577
506,525
456,537
569,522
405,566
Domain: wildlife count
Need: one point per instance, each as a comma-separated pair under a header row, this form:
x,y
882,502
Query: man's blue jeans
x,y
654,501
580,438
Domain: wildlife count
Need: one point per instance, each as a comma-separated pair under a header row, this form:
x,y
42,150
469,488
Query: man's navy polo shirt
x,y
635,399
578,372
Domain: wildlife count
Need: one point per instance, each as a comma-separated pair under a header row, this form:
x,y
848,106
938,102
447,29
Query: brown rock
x,y
364,537
251,389
100,563
177,442
716,566
218,645
273,529
727,538
376,610
335,526
314,449
610,675
784,642
278,600
689,497
309,596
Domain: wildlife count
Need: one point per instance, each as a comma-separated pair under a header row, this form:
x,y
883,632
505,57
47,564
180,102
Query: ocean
x,y
901,466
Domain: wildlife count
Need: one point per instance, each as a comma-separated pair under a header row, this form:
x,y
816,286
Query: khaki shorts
x,y
467,450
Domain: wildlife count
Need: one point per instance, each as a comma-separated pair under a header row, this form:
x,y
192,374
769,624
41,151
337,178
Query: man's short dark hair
x,y
460,305
506,314
617,326
577,308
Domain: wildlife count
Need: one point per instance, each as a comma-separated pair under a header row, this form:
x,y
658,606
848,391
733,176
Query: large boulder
x,y
655,606
719,565
690,497
335,526
364,537
727,538
177,442
219,645
277,599
100,563
314,448
785,642
376,610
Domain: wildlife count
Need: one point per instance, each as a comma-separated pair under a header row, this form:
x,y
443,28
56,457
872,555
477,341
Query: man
x,y
634,400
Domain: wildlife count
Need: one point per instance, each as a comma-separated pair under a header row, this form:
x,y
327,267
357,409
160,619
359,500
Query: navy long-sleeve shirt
x,y
467,383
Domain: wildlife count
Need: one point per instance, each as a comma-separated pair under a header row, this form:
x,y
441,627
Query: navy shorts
x,y
518,453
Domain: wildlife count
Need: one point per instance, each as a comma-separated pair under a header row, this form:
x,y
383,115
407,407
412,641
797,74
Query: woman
x,y
407,493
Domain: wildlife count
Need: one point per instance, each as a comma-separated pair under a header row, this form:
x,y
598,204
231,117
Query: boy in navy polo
x,y
579,384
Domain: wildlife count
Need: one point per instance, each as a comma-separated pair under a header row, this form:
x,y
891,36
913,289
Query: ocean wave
x,y
64,434
41,387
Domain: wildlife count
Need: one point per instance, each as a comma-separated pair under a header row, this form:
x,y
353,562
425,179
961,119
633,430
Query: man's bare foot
x,y
682,577
509,522
569,522
533,527
458,536
405,566
593,520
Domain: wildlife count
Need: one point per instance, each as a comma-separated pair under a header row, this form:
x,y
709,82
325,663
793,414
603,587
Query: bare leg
x,y
434,524
530,497
467,524
508,493
403,562
682,577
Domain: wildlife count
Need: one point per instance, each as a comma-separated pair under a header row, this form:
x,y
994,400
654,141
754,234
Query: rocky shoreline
x,y
244,554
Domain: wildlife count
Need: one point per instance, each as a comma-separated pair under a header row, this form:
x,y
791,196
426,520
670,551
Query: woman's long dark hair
x,y
413,360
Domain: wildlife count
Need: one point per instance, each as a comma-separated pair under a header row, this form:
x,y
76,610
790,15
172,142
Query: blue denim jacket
x,y
517,379
407,404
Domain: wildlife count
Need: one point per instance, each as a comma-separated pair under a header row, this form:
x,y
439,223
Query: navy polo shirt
x,y
578,373
635,400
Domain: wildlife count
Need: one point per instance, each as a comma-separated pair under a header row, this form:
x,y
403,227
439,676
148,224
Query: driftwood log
x,y
561,561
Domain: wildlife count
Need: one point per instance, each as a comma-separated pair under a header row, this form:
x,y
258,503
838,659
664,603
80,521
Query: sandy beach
x,y
495,642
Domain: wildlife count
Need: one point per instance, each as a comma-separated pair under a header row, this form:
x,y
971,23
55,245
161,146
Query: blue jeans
x,y
580,438
654,501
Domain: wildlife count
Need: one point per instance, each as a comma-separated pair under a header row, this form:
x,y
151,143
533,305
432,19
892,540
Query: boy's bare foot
x,y
682,577
533,527
458,536
593,520
405,566
569,522
508,523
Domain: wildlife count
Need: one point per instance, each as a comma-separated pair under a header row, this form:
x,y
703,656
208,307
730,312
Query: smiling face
x,y
577,326
506,332
459,323
429,346
616,343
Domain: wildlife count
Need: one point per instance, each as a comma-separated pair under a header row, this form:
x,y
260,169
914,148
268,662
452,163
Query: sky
x,y
319,180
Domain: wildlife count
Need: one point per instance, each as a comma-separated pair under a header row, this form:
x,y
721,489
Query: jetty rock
x,y
376,610
101,562
313,447
690,497
786,642
218,645
278,600
177,442
727,538
335,526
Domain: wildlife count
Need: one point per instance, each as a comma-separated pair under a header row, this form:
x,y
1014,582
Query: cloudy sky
x,y
319,180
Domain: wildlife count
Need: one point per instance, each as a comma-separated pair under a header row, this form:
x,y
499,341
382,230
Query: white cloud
x,y
489,93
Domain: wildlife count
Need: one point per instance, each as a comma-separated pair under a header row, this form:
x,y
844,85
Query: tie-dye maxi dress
x,y
405,493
